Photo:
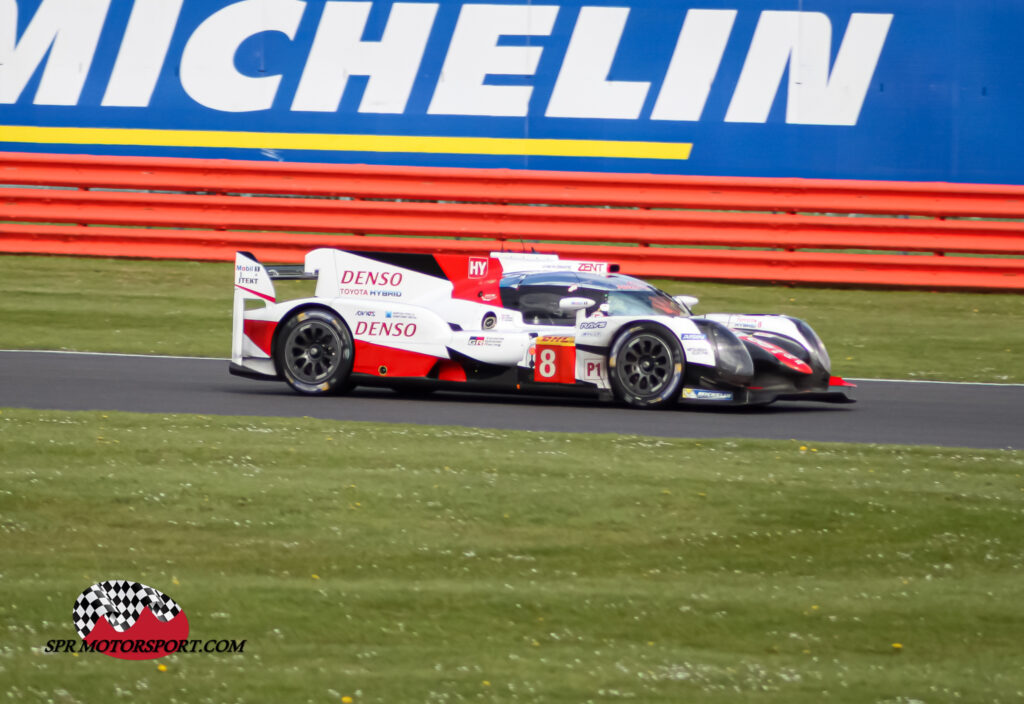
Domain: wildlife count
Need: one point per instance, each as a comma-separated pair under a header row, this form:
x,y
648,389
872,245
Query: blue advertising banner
x,y
914,90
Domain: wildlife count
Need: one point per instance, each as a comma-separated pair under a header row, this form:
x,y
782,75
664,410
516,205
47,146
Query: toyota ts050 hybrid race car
x,y
513,322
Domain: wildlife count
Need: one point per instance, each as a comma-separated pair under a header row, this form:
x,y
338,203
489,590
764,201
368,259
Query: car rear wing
x,y
252,283
289,272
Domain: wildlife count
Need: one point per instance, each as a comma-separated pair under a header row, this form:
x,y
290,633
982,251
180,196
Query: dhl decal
x,y
556,340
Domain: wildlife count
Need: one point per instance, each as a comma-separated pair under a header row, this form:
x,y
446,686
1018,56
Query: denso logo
x,y
483,41
372,278
382,329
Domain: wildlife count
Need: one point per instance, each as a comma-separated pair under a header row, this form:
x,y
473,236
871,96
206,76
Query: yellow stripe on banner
x,y
347,142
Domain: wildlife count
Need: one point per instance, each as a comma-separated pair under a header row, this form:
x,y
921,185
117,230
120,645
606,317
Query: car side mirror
x,y
578,304
687,302
568,305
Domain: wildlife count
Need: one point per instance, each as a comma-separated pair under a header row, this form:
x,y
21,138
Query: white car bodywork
x,y
402,317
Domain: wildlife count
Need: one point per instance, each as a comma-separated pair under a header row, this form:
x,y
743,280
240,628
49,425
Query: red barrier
x,y
510,186
213,213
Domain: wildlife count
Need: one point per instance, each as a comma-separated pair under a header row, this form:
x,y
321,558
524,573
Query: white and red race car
x,y
528,323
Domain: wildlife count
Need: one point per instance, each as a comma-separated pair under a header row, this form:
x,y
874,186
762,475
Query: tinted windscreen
x,y
649,302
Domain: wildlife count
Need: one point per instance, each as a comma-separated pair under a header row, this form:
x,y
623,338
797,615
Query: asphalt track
x,y
912,413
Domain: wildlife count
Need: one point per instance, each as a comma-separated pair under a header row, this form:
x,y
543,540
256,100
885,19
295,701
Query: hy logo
x,y
120,610
477,267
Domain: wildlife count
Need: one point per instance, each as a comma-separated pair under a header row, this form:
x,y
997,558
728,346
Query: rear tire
x,y
314,353
646,366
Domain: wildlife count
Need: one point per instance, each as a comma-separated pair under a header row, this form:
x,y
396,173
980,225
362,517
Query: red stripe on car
x,y
257,293
261,332
379,360
790,360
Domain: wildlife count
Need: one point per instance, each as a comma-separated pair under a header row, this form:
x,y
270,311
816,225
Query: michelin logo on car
x,y
706,395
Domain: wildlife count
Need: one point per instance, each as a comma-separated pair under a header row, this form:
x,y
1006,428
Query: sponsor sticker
x,y
375,293
477,267
372,278
381,329
366,313
706,394
746,322
557,341
693,336
555,360
594,325
247,274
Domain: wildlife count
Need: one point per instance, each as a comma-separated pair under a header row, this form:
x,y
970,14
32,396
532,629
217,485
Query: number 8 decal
x,y
547,367
556,360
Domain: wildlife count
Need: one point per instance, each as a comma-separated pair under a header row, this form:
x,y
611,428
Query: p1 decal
x,y
129,620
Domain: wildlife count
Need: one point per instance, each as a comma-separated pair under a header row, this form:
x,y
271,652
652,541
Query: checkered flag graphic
x,y
121,602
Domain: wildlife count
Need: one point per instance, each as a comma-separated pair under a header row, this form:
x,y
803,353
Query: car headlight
x,y
732,361
817,346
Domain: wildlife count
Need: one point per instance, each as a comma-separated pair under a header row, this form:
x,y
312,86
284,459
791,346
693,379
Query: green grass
x,y
395,563
115,305
184,308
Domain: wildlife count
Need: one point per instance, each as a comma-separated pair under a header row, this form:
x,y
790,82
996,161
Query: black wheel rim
x,y
645,365
312,352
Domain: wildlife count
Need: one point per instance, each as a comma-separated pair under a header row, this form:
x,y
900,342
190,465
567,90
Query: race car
x,y
513,322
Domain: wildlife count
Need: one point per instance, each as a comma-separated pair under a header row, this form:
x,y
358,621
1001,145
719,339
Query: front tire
x,y
646,365
314,353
